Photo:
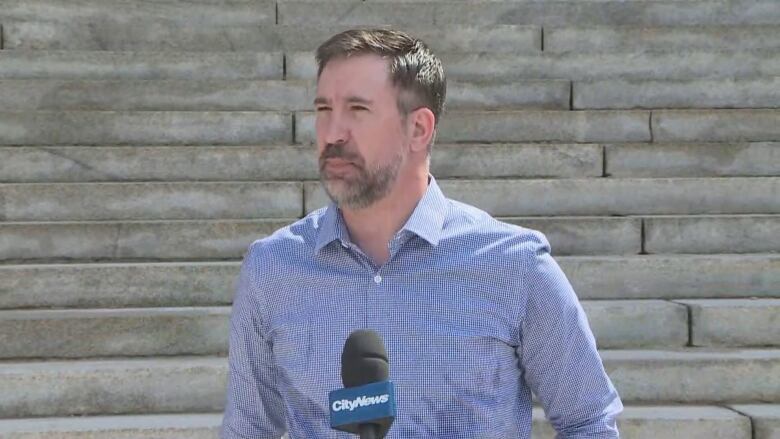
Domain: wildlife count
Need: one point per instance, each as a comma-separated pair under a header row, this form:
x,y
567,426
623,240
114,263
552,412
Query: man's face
x,y
361,140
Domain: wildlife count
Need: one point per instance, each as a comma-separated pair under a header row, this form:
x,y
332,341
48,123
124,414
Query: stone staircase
x,y
145,143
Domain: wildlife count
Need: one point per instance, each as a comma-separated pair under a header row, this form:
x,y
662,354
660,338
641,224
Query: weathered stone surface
x,y
633,324
713,234
605,196
765,417
525,126
515,160
153,35
129,201
694,376
735,322
189,95
586,235
211,283
114,332
37,94
144,127
547,13
68,64
588,66
540,94
673,276
178,163
692,93
156,385
632,38
693,159
118,285
654,422
614,12
152,240
178,426
357,13
171,12
716,125
640,422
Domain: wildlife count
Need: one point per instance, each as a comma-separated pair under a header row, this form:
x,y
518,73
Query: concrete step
x,y
678,421
756,125
692,159
547,13
650,422
250,95
636,422
691,93
144,127
524,126
111,285
577,66
712,234
40,164
221,239
197,384
144,201
125,332
160,34
695,376
132,332
72,64
734,322
605,196
765,419
224,12
633,38
164,426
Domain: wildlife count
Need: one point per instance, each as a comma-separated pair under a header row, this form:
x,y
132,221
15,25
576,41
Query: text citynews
x,y
362,401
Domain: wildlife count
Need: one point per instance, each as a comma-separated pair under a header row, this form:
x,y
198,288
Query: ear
x,y
422,125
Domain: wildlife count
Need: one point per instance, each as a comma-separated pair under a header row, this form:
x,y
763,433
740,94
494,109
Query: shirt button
x,y
377,278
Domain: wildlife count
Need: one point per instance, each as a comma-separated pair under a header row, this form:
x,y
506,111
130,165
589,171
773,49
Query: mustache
x,y
338,151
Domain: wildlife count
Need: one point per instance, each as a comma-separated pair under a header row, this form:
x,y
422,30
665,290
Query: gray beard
x,y
364,190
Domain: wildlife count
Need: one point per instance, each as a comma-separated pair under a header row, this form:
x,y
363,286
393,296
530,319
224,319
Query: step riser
x,y
699,235
729,323
140,201
654,13
197,284
151,128
160,35
198,385
664,65
716,126
230,239
605,196
204,331
288,162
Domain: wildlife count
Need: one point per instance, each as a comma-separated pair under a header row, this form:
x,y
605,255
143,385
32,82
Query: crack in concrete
x,y
83,165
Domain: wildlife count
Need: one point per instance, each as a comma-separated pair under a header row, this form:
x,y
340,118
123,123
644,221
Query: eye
x,y
359,108
320,109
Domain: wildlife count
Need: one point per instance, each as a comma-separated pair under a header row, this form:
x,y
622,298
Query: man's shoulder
x,y
472,224
295,238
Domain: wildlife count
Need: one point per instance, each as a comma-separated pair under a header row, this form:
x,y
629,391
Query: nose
x,y
331,129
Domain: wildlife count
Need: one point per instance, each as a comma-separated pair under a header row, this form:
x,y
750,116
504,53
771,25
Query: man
x,y
474,312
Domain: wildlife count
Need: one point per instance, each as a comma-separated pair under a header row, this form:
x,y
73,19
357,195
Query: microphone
x,y
366,404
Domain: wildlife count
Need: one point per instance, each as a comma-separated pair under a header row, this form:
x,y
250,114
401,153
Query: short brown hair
x,y
413,68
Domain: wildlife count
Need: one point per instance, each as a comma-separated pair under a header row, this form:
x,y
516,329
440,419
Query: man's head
x,y
379,97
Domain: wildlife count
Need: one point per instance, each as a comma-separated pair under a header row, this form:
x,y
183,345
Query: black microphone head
x,y
364,359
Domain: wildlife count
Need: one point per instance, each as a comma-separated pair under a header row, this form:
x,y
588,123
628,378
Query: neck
x,y
373,227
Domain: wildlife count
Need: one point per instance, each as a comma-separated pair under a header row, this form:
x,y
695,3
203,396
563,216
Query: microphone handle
x,y
368,431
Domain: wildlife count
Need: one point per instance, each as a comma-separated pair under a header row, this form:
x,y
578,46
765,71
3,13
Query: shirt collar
x,y
426,221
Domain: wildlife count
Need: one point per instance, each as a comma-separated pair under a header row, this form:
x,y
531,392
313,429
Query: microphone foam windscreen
x,y
364,359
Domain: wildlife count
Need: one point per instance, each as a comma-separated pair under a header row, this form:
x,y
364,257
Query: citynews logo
x,y
362,401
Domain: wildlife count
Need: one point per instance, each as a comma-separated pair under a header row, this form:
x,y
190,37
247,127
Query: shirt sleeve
x,y
558,352
254,407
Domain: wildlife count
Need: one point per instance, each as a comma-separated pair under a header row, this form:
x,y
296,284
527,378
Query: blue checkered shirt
x,y
475,314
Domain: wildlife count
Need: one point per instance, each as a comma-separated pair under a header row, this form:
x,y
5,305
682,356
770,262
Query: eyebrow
x,y
352,100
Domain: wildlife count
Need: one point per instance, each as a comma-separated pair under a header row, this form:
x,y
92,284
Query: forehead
x,y
357,75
